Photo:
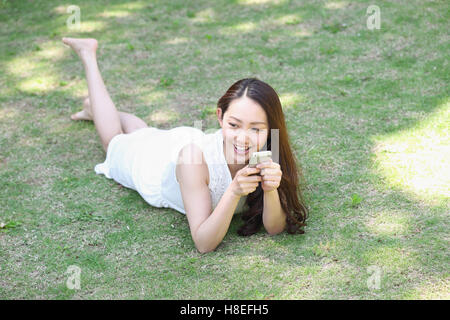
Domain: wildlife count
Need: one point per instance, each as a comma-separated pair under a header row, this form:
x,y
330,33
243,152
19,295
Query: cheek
x,y
228,139
261,140
228,136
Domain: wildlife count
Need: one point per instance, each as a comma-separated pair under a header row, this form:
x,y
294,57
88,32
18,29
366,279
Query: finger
x,y
270,164
249,186
249,171
253,180
264,165
271,178
248,179
270,172
271,183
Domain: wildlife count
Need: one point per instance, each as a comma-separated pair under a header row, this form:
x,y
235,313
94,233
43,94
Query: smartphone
x,y
259,157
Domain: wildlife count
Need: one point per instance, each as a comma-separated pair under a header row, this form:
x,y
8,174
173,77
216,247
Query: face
x,y
245,129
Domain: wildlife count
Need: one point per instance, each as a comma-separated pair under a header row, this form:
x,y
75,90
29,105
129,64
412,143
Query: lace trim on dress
x,y
219,175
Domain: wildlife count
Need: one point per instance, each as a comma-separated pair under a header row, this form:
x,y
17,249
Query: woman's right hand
x,y
245,181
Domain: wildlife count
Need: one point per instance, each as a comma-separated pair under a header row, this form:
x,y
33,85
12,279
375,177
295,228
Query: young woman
x,y
204,176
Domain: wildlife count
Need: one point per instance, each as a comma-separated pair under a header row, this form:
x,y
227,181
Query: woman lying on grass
x,y
160,165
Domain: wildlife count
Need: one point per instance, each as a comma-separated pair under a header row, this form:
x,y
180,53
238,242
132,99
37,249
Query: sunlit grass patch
x,y
244,27
432,289
52,51
8,113
38,84
114,14
160,117
416,159
389,223
389,258
336,5
289,19
291,100
358,111
178,40
205,15
256,2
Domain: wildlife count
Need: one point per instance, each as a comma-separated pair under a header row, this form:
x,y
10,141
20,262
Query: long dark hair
x,y
290,189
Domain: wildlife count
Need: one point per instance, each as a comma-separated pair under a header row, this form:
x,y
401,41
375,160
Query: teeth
x,y
241,149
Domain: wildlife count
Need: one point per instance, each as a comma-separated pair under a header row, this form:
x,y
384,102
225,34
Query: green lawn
x,y
368,112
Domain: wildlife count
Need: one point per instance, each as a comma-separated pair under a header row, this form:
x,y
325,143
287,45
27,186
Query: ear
x,y
219,116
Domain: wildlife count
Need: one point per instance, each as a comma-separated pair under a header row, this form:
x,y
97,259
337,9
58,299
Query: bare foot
x,y
82,47
85,114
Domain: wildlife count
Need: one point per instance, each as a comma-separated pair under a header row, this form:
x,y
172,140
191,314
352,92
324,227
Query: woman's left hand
x,y
270,174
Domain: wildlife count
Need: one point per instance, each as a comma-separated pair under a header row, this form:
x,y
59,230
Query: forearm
x,y
212,231
274,218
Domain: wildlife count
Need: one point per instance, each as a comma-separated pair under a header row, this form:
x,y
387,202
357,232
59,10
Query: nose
x,y
242,138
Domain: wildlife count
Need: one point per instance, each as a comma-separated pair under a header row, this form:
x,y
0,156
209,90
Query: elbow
x,y
203,246
275,228
274,232
203,243
204,249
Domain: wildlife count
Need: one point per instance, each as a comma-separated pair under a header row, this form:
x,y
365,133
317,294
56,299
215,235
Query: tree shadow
x,y
166,62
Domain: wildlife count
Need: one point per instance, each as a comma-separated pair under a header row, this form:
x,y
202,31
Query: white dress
x,y
145,161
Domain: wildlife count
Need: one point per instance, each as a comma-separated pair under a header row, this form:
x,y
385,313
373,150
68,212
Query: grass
x,y
368,117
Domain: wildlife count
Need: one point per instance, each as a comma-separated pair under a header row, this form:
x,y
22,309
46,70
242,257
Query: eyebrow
x,y
257,122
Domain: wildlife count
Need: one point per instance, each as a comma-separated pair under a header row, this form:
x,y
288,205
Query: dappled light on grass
x,y
264,25
288,20
135,5
163,116
169,63
8,113
205,15
333,5
244,27
39,84
389,223
151,96
66,126
178,40
35,70
303,33
435,289
88,26
21,66
51,51
252,2
114,14
389,258
291,100
417,159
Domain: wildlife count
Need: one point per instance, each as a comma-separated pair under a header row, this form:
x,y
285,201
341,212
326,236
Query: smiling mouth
x,y
240,150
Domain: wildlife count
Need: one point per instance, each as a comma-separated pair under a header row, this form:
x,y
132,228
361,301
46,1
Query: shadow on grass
x,y
354,87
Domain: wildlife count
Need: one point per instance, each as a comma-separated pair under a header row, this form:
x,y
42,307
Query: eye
x,y
256,129
232,124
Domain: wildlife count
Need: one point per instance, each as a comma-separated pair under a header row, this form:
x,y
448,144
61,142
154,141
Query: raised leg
x,y
104,113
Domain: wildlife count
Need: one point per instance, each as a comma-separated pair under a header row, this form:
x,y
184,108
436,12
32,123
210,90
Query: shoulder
x,y
191,166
